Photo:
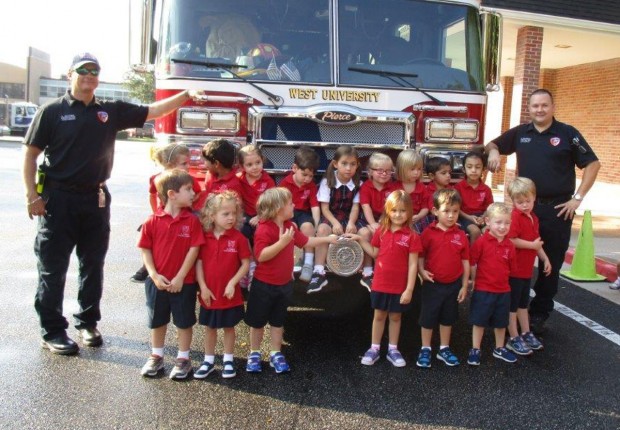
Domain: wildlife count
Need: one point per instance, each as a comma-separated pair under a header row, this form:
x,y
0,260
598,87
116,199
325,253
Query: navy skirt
x,y
221,318
388,302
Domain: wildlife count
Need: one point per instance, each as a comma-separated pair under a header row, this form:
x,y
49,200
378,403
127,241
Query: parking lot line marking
x,y
587,322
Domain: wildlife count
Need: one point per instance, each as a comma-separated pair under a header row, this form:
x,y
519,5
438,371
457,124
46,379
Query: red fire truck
x,y
382,75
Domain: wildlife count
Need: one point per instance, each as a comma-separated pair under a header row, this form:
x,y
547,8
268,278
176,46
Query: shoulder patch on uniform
x,y
103,116
555,141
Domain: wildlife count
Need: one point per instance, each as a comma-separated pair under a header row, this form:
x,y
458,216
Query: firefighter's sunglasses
x,y
84,71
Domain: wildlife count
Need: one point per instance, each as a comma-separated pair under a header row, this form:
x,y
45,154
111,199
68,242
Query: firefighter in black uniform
x,y
68,194
547,153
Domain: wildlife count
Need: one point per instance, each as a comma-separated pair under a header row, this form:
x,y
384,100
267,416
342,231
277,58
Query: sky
x,y
63,28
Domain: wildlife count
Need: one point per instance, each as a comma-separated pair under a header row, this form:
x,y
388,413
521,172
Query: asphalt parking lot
x,y
574,383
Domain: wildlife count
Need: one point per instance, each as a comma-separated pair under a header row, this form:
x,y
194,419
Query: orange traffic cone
x,y
583,268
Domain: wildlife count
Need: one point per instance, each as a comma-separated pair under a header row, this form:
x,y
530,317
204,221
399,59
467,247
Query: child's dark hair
x,y
476,154
171,180
247,150
446,196
433,164
307,158
220,150
167,155
342,151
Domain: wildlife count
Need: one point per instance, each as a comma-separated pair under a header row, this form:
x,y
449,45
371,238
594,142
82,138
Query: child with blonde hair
x,y
272,286
525,235
373,194
339,199
395,247
409,171
223,260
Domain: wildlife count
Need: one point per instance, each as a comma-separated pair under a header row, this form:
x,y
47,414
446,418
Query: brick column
x,y
526,80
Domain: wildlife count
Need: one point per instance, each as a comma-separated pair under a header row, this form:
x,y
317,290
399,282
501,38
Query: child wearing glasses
x,y
409,170
339,199
373,194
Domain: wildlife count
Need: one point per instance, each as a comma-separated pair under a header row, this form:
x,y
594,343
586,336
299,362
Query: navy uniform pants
x,y
555,233
73,220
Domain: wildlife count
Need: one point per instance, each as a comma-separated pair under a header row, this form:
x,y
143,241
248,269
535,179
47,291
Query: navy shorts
x,y
388,302
161,304
489,309
464,222
439,303
221,318
268,304
519,293
301,217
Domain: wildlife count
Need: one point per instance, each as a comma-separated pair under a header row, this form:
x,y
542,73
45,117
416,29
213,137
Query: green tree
x,y
141,86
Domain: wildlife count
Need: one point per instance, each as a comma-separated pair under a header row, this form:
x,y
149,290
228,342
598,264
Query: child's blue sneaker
x,y
229,370
278,362
205,370
446,355
424,358
254,365
532,341
504,354
395,357
370,357
474,357
518,346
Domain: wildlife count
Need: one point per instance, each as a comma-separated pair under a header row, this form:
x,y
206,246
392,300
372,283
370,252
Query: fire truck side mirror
x,y
491,48
142,44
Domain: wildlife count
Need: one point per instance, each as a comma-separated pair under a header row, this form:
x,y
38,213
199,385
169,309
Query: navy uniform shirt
x,y
78,140
548,158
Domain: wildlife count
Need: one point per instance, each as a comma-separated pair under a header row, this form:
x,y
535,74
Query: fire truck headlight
x,y
194,119
223,121
440,130
466,130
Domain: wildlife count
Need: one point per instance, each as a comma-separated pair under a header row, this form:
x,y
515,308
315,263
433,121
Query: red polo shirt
x,y
216,185
251,192
392,263
494,261
431,187
170,239
418,196
444,252
304,197
221,258
370,195
475,200
195,186
526,228
278,270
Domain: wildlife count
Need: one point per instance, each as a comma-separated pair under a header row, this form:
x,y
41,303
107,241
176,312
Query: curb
x,y
603,267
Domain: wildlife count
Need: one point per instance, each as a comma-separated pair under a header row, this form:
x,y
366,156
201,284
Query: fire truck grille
x,y
303,130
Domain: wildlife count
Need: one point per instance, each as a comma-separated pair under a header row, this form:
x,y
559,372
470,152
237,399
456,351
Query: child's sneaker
x,y
205,370
254,364
278,362
370,357
229,370
532,341
424,358
153,366
504,354
306,273
182,368
474,357
317,282
395,357
366,281
615,285
448,357
518,346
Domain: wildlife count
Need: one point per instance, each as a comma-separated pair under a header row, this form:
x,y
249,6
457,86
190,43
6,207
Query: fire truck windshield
x,y
300,41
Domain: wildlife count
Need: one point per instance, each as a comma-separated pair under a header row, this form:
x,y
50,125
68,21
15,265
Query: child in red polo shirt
x,y
272,285
395,247
476,195
220,157
373,194
172,156
444,266
439,171
223,260
170,240
492,260
307,214
409,170
525,235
